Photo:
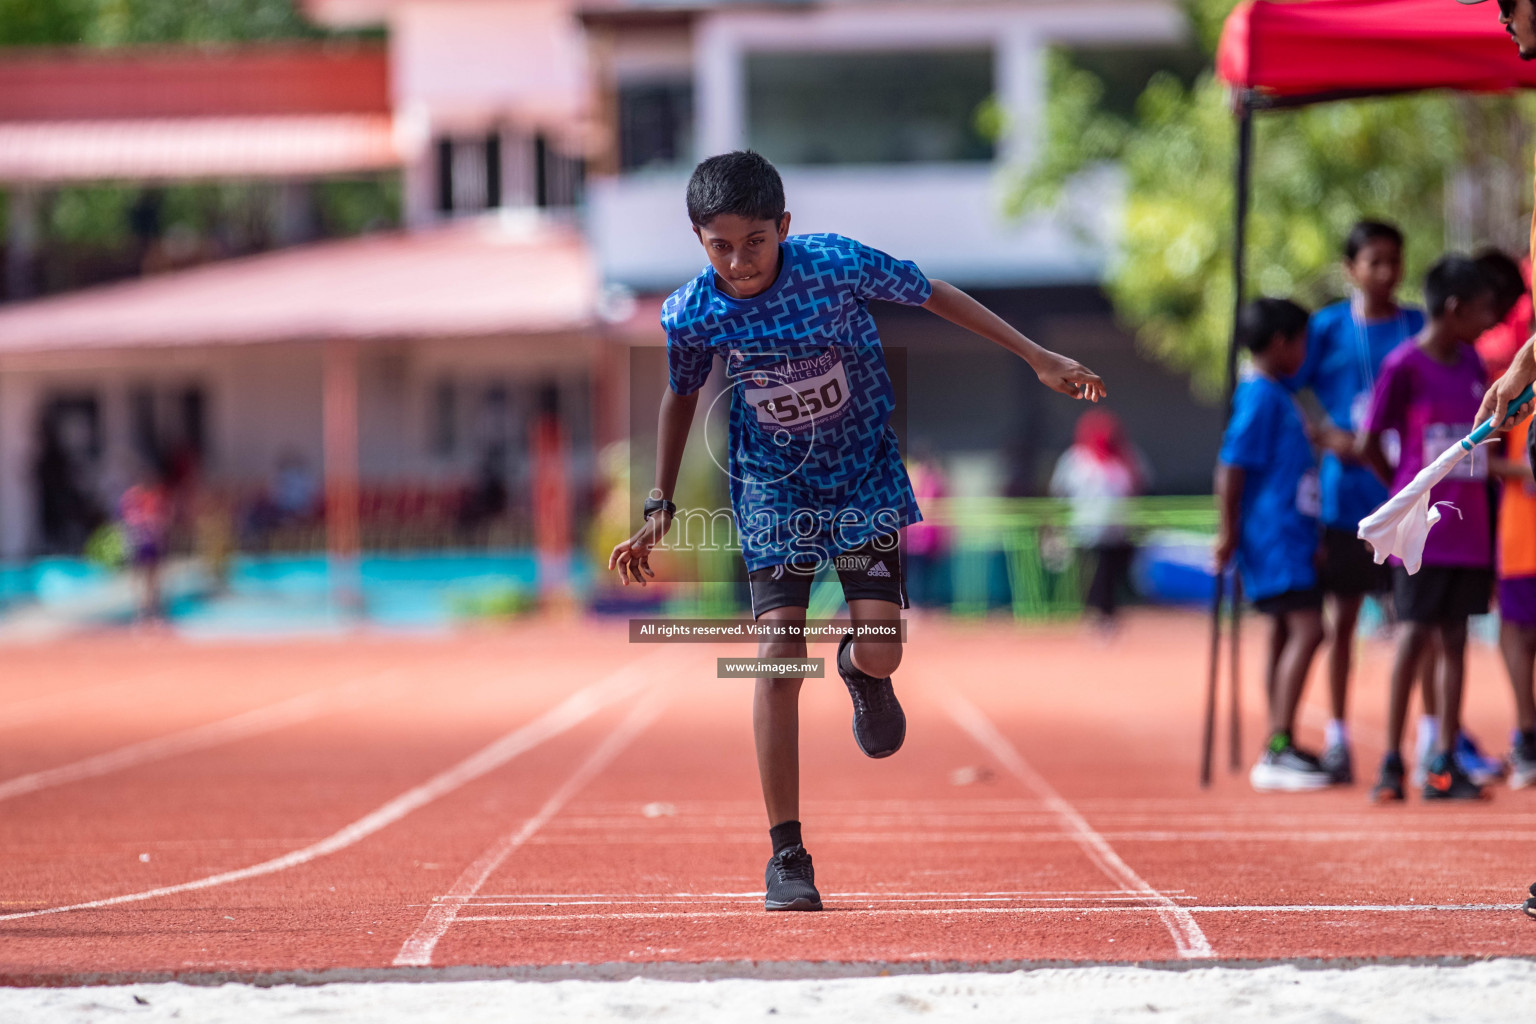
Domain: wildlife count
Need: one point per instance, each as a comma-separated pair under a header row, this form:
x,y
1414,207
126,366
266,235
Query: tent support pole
x,y
1239,269
1239,244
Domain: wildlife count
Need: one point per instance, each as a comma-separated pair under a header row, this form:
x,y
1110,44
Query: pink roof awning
x,y
475,279
179,149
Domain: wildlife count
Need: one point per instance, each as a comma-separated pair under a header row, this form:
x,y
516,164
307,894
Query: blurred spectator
x,y
145,510
291,496
1511,281
68,512
1098,475
213,536
926,545
486,499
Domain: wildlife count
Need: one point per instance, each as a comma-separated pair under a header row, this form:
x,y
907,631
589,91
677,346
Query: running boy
x,y
1428,392
815,472
1266,487
1346,343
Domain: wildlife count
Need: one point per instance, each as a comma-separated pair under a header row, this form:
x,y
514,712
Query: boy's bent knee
x,y
877,659
781,649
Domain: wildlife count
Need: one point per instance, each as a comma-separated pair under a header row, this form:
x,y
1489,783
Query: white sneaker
x,y
1425,747
1522,769
1288,771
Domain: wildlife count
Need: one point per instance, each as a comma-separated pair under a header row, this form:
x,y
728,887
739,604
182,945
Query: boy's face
x,y
1467,319
1377,269
1287,354
744,253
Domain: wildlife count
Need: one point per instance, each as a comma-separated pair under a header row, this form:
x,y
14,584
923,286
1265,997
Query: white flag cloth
x,y
1401,526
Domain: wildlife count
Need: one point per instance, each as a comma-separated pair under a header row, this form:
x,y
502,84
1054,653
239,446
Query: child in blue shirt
x,y
815,474
1346,343
1266,486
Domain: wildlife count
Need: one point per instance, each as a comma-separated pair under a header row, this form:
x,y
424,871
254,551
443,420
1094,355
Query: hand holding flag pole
x,y
1401,526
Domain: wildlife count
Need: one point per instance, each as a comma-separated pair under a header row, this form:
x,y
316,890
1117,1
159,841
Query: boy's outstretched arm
x,y
632,557
1368,451
1055,371
1229,499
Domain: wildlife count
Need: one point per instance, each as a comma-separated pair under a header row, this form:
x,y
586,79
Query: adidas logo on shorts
x,y
878,569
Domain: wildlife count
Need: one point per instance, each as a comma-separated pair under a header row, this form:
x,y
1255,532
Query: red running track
x,y
550,795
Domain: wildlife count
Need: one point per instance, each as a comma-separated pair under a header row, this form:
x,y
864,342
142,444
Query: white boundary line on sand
x,y
417,950
288,712
1187,936
572,711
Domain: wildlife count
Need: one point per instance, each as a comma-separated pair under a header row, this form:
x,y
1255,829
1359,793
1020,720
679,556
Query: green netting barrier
x,y
1045,575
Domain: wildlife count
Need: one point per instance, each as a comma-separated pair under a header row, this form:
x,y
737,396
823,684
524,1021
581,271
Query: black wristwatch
x,y
654,505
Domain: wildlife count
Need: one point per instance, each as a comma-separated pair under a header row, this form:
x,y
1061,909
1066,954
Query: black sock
x,y
1528,742
783,835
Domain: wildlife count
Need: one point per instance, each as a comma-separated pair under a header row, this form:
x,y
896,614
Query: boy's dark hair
x,y
1504,275
743,183
1262,319
1453,276
1367,231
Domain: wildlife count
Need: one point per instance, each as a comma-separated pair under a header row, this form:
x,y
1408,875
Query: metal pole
x,y
1239,239
1235,704
1208,734
1239,272
1239,243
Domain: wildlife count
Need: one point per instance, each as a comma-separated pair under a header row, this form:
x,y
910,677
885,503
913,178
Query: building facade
x,y
548,142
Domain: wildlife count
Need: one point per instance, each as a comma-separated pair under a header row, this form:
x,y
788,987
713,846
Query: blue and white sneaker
x,y
1481,769
1522,762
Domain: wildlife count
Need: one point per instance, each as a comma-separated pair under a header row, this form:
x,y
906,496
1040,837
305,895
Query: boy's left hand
x,y
1070,377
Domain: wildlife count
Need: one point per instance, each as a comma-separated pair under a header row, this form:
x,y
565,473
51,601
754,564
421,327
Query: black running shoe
x,y
791,881
879,724
1530,904
1389,784
1448,780
1339,764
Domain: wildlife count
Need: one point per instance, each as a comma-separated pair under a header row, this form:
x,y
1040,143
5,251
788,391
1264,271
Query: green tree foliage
x,y
91,224
44,22
126,22
1316,171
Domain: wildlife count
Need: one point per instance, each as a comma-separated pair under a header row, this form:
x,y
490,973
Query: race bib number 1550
x,y
797,405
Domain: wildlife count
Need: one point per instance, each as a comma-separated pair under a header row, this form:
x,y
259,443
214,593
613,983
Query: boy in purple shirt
x,y
1428,394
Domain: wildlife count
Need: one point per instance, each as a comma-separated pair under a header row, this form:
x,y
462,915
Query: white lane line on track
x,y
695,901
572,711
200,737
757,893
417,949
832,907
1013,838
1188,939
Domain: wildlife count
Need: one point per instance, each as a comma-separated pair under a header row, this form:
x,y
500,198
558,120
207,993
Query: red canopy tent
x,y
1290,54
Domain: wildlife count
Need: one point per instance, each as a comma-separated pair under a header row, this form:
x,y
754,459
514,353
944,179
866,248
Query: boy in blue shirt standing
x,y
1346,343
815,474
1267,490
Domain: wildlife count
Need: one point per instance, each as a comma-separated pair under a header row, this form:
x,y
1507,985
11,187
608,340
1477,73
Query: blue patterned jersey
x,y
813,462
